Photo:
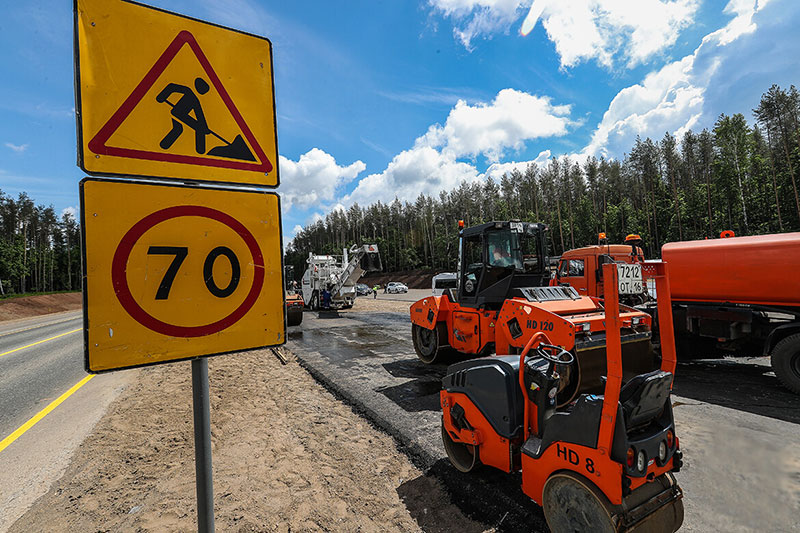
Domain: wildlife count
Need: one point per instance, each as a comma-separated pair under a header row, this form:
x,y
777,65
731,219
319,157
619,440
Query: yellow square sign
x,y
175,272
162,95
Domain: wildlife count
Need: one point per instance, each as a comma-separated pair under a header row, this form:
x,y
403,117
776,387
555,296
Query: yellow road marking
x,y
38,342
41,414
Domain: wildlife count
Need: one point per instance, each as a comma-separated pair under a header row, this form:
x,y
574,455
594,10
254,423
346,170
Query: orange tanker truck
x,y
741,294
737,295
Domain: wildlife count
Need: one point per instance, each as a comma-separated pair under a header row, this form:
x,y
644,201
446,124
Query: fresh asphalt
x,y
33,376
738,426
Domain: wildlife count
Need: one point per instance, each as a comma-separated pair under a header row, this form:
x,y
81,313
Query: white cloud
x,y
633,30
420,170
692,91
297,229
582,30
496,170
18,148
488,129
479,17
314,178
72,211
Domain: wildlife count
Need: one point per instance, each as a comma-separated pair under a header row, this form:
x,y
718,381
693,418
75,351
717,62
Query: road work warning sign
x,y
178,273
162,95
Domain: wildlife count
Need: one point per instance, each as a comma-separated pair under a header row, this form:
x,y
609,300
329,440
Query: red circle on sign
x,y
120,280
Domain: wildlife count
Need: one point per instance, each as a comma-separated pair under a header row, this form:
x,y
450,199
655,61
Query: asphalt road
x,y
40,360
33,376
738,427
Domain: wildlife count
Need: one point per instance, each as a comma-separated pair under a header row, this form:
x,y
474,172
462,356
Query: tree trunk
x,y
774,180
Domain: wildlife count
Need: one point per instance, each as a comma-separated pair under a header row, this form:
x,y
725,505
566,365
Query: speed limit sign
x,y
175,272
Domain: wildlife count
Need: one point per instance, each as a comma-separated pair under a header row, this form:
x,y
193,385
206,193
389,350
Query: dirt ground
x,y
28,306
287,455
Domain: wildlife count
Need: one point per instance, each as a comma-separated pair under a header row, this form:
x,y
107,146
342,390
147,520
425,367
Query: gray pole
x,y
202,446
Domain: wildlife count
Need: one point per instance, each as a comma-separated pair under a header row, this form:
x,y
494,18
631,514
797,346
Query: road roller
x,y
503,297
598,462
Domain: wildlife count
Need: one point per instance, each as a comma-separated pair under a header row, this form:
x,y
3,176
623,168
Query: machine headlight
x,y
662,451
641,461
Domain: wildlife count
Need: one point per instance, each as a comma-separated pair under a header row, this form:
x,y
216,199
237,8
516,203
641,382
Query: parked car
x,y
362,289
394,287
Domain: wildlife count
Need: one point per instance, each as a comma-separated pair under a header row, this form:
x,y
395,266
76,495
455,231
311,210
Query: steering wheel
x,y
554,354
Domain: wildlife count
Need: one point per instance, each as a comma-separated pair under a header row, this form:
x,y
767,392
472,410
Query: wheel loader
x,y
599,463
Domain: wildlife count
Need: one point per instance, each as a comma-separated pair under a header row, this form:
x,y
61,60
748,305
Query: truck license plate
x,y
630,279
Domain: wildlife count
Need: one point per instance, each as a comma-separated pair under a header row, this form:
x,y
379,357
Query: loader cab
x,y
498,257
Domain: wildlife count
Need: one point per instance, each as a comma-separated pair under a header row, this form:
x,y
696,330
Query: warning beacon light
x,y
460,224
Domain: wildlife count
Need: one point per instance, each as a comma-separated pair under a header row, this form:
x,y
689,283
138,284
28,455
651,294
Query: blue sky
x,y
377,99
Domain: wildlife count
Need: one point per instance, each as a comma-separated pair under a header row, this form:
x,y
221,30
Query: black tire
x,y
464,457
314,304
786,362
429,344
294,317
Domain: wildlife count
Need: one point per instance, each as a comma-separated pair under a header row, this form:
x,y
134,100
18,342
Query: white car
x,y
394,287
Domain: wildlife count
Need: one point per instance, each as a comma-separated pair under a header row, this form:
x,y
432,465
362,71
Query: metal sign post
x,y
202,446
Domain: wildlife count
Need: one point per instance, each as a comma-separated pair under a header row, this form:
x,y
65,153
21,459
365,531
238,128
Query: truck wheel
x,y
429,343
314,305
786,362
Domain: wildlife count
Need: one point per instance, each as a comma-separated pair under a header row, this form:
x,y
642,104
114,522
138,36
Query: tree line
x,y
39,252
738,175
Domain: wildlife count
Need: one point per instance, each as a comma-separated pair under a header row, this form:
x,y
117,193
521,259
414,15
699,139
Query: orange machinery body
x,y
760,270
584,277
471,331
593,463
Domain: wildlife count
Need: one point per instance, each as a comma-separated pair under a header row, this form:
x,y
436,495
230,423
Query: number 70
x,y
180,253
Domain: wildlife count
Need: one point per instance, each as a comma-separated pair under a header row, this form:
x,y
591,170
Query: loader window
x,y
472,263
504,249
530,254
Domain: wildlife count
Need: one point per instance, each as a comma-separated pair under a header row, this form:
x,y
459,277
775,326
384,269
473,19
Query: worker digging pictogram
x,y
182,110
187,101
